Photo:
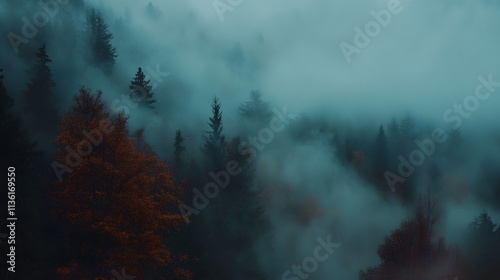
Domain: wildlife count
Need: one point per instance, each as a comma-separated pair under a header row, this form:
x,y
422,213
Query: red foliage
x,y
118,202
409,253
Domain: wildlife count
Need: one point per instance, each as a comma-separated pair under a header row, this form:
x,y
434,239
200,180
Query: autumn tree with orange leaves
x,y
117,204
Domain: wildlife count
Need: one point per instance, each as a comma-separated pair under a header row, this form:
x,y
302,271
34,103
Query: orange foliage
x,y
117,203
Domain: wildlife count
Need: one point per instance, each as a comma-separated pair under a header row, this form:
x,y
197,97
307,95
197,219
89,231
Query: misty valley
x,y
250,140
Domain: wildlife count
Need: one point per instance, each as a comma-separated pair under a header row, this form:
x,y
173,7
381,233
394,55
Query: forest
x,y
250,140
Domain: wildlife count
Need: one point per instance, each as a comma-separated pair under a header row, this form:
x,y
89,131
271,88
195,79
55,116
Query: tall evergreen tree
x,y
14,145
179,149
140,90
39,101
214,140
255,109
232,224
380,160
152,11
103,52
482,245
35,230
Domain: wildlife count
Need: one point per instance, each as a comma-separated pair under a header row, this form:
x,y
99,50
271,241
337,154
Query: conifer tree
x,y
39,101
179,149
140,90
103,52
14,145
255,109
482,244
214,140
17,154
380,160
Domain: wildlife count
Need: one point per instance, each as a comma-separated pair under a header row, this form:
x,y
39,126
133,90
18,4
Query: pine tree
x,y
255,109
482,245
231,224
215,141
178,149
117,204
33,234
14,145
141,90
39,101
380,160
103,52
152,11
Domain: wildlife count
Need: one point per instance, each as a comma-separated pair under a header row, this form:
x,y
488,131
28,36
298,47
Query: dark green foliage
x,y
178,149
380,160
140,90
482,247
214,140
15,148
34,249
231,223
39,101
103,52
255,109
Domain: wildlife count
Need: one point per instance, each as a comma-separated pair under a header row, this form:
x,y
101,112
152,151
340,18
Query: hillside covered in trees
x,y
246,140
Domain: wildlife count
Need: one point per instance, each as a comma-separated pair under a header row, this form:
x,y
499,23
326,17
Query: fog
x,y
429,57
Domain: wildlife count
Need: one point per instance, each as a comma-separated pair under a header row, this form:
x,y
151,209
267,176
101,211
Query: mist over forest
x,y
235,139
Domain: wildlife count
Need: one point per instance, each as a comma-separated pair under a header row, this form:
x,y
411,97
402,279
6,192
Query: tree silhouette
x,y
229,226
255,109
482,245
409,252
380,160
39,101
15,148
214,140
141,90
33,233
103,52
179,149
117,203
